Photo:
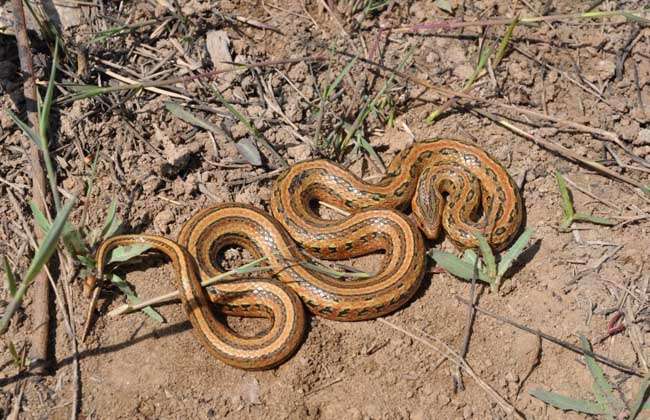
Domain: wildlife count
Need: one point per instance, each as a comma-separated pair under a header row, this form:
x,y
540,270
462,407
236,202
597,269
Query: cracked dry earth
x,y
160,169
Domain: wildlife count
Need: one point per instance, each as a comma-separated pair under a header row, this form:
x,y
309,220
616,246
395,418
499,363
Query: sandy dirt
x,y
161,169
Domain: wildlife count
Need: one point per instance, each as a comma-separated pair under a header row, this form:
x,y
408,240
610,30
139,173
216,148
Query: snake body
x,y
449,185
246,298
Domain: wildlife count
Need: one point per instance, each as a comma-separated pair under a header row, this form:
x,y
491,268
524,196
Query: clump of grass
x,y
607,403
488,269
570,215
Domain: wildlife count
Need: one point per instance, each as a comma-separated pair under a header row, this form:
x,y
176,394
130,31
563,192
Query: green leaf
x,y
503,45
190,118
483,59
124,253
584,217
112,223
26,129
470,257
457,267
567,202
14,354
566,403
40,218
42,255
87,262
514,251
641,397
133,298
488,256
10,279
44,115
602,388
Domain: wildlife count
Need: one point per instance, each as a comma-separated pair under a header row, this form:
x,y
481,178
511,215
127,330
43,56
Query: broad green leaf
x,y
10,279
488,256
566,403
124,253
42,255
602,388
457,267
514,251
133,298
469,256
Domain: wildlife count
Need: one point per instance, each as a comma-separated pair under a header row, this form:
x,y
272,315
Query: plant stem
x,y
40,336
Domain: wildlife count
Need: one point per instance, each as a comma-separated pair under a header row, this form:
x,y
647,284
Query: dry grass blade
x,y
243,269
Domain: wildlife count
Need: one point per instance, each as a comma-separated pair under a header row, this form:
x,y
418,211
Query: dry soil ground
x,y
160,169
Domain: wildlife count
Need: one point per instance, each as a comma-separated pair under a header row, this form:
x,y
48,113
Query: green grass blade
x,y
330,89
334,273
566,403
457,267
14,354
190,118
10,279
134,299
584,217
567,202
40,218
112,224
602,387
28,131
124,253
514,251
642,396
43,254
482,62
488,256
44,115
503,45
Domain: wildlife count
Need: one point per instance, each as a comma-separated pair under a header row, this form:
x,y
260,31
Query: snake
x,y
449,185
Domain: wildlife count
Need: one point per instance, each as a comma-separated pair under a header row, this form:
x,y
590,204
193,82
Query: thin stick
x,y
471,315
454,357
561,150
606,360
40,338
